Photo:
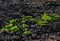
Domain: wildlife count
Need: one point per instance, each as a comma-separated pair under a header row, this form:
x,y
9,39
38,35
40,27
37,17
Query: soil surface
x,y
18,9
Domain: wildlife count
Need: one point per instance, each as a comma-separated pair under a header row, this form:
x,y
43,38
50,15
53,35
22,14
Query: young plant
x,y
14,28
24,25
28,17
46,17
31,18
23,20
8,29
11,26
55,17
8,25
13,21
42,23
27,32
5,29
33,3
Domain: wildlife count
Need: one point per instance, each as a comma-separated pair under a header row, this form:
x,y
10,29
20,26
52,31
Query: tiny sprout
x,y
28,17
23,20
5,29
26,29
15,29
31,18
33,3
42,23
8,26
55,17
13,21
27,32
24,25
46,17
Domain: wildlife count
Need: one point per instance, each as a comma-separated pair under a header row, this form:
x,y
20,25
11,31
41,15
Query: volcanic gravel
x,y
18,9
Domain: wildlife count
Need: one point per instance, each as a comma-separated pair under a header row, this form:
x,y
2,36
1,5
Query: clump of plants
x,y
25,26
27,32
13,21
55,17
12,26
28,17
42,23
46,17
34,3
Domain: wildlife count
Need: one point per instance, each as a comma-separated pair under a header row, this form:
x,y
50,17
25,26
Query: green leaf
x,y
23,20
24,25
8,25
26,29
33,2
15,29
46,17
42,23
13,21
55,17
27,32
5,29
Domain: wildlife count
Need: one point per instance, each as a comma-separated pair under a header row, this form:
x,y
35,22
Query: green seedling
x,y
5,29
13,21
33,3
55,17
24,25
27,32
46,17
11,27
31,18
15,29
42,23
23,20
26,29
28,17
8,25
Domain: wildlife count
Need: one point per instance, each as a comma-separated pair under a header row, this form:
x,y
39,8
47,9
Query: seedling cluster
x,y
25,26
27,32
11,26
45,18
42,23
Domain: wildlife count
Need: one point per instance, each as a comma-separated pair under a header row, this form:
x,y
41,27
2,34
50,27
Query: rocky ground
x,y
17,9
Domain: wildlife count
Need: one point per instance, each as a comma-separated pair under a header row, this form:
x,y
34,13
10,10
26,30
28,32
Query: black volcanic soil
x,y
17,9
